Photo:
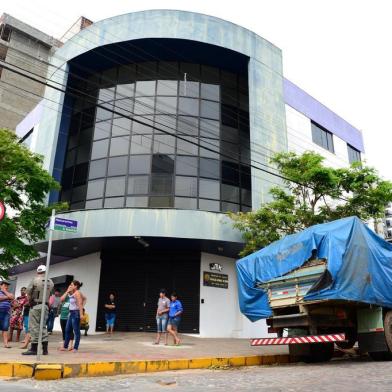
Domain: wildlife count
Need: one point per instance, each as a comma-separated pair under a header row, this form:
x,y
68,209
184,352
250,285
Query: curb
x,y
55,371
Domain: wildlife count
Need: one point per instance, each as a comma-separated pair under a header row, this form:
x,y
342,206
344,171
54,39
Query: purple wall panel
x,y
316,111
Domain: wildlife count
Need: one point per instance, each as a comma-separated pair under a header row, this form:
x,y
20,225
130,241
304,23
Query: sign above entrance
x,y
212,279
216,267
68,225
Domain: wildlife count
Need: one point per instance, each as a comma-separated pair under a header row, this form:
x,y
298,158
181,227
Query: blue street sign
x,y
69,225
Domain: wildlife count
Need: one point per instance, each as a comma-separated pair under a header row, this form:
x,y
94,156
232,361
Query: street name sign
x,y
69,225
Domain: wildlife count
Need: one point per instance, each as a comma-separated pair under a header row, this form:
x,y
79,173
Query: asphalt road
x,y
357,375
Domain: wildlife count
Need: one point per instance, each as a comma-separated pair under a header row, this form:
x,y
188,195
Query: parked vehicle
x,y
329,284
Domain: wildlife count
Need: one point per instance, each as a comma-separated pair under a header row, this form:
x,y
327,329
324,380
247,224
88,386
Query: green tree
x,y
314,194
24,186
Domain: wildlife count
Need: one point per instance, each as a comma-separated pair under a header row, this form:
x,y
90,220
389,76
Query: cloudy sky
x,y
339,51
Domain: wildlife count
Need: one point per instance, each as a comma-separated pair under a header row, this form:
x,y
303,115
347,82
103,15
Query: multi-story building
x,y
165,121
23,46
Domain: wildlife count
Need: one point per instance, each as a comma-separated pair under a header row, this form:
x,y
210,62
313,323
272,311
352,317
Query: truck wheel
x,y
351,337
388,329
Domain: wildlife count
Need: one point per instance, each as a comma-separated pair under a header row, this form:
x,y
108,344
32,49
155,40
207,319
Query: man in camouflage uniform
x,y
35,293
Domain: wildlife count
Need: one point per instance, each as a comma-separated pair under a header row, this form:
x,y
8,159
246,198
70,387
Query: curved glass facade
x,y
178,137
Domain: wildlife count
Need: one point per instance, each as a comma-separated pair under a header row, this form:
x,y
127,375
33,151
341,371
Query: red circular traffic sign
x,y
2,210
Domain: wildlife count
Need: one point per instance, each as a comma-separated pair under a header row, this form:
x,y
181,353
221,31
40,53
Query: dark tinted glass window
x,y
162,163
353,154
209,168
322,137
161,184
138,185
166,201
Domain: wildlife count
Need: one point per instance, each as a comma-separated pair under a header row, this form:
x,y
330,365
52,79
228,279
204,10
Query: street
x,y
343,375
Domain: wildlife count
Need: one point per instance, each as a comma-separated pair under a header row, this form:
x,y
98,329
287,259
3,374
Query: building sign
x,y
68,225
212,279
2,210
216,267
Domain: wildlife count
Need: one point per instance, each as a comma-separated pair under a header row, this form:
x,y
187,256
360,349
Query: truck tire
x,y
385,355
351,337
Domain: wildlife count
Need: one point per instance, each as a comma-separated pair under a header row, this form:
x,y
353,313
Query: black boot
x,y
32,351
45,348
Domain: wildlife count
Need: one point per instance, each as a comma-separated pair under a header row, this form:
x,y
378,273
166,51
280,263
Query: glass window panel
x,y
83,154
164,144
189,89
188,106
162,163
77,206
246,208
95,189
143,128
126,73
80,173
246,197
118,166
230,116
209,189
185,203
115,186
125,90
230,193
121,126
188,146
210,144
137,185
186,165
105,112
210,91
167,87
209,205
209,128
165,124
140,201
66,180
229,79
209,168
102,130
186,186
145,88
210,74
161,184
210,110
108,77
192,70
85,136
141,144
119,145
244,102
166,105
188,125
147,70
168,69
73,138
229,96
100,149
90,204
88,118
97,168
144,105
230,151
114,202
65,195
230,173
106,94
230,134
230,207
160,201
140,164
124,107
70,159
246,180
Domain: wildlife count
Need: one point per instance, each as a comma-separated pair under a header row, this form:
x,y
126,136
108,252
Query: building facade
x,y
165,121
23,46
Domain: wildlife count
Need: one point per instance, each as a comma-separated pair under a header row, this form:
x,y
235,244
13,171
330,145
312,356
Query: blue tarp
x,y
358,260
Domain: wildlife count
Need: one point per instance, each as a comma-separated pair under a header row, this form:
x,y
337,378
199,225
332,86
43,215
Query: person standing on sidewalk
x,y
5,310
110,314
35,293
162,316
64,313
75,314
16,321
175,313
54,305
85,322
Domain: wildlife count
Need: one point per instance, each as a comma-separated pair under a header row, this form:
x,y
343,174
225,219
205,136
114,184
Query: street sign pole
x,y
41,324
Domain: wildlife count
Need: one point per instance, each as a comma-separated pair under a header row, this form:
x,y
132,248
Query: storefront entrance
x,y
136,278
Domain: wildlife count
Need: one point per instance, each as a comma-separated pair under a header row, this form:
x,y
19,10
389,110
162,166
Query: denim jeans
x,y
50,322
73,324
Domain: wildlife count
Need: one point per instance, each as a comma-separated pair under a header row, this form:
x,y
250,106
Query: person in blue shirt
x,y
175,313
5,310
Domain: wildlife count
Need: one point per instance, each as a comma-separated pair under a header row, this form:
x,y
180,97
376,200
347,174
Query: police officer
x,y
35,292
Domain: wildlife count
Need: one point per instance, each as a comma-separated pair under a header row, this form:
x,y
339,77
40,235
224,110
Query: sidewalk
x,y
126,353
138,346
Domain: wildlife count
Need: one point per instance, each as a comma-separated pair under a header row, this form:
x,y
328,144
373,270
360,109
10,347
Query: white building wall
x,y
220,314
299,137
86,269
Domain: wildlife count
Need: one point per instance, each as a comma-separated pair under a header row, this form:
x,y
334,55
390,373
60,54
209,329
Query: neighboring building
x,y
388,223
29,48
197,105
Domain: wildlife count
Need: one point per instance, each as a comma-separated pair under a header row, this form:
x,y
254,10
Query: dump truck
x,y
330,284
